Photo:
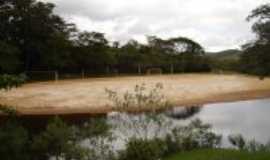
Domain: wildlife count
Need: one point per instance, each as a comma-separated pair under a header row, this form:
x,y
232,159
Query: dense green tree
x,y
131,57
182,54
59,141
8,81
31,26
33,37
256,57
9,58
262,25
14,139
159,50
93,52
185,45
188,54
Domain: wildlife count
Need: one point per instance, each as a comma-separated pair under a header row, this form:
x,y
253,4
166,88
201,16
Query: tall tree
x,y
9,58
256,57
31,25
182,52
93,52
262,24
185,53
131,56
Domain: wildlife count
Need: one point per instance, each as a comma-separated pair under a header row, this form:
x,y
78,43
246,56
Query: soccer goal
x,y
154,71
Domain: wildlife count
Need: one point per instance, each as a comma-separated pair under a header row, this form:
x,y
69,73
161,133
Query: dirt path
x,y
88,96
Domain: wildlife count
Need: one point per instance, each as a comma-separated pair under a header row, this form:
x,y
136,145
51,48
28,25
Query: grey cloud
x,y
216,24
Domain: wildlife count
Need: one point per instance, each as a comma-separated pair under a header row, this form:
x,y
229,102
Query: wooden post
x,y
108,70
56,75
172,69
82,73
139,69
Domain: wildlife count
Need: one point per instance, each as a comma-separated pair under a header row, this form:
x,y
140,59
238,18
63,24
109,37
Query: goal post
x,y
154,71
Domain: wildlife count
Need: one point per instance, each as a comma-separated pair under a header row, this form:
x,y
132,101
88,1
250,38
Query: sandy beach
x,y
89,96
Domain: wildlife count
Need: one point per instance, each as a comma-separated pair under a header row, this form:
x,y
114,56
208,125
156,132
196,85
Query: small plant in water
x,y
145,125
140,99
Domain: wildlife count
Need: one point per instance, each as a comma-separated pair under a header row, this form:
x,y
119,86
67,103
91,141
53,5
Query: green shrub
x,y
57,140
9,81
10,111
238,141
14,141
195,135
143,149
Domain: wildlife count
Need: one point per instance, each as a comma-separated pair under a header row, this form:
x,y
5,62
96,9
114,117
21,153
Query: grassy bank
x,y
219,154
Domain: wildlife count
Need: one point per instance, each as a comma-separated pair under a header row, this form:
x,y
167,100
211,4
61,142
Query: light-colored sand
x,y
88,96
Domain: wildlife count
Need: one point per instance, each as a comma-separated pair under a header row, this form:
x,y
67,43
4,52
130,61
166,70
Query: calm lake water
x,y
249,118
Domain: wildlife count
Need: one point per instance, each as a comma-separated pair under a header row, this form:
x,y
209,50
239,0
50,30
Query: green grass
x,y
219,154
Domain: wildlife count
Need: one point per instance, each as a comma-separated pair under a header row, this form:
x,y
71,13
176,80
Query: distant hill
x,y
227,60
231,54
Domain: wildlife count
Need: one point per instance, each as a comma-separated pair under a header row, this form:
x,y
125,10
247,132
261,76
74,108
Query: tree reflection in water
x,y
183,113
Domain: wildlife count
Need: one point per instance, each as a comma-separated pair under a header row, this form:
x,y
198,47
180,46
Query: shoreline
x,y
87,96
222,98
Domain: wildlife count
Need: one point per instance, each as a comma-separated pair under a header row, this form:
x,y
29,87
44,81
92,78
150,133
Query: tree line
x,y
256,56
33,37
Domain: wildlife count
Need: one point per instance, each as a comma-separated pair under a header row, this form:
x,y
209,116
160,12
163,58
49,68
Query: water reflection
x,y
149,124
144,125
249,118
183,113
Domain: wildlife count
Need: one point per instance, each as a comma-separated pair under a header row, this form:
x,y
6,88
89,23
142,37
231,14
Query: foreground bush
x,y
238,141
14,142
57,140
9,81
195,135
142,149
219,154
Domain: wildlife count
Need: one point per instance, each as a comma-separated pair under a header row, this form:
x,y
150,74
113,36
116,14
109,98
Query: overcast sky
x,y
216,24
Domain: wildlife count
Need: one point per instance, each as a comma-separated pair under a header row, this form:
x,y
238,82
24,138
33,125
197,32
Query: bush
x,y
58,140
14,141
8,81
195,135
238,141
142,149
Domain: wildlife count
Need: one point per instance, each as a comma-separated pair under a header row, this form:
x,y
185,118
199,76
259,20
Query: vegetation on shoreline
x,y
256,57
43,43
147,136
33,37
220,154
